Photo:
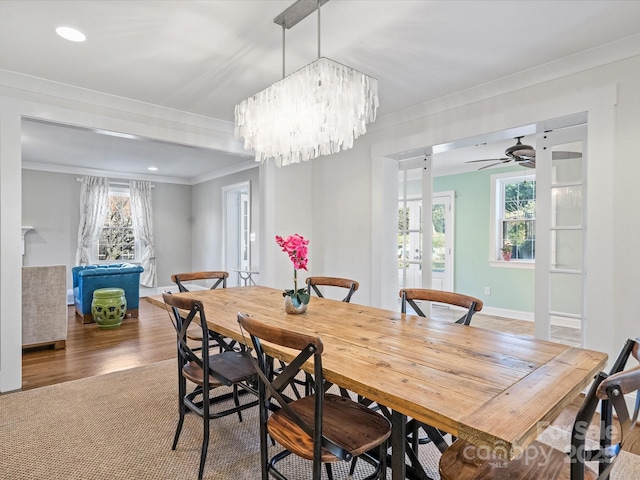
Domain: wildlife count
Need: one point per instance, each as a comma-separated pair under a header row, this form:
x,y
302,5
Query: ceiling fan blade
x,y
527,163
561,155
492,165
490,160
523,153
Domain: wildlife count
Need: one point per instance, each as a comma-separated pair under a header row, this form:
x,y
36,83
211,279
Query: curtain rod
x,y
124,184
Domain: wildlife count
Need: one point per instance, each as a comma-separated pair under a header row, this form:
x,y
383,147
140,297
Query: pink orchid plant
x,y
296,247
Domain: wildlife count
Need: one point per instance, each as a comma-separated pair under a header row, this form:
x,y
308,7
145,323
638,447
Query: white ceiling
x,y
205,56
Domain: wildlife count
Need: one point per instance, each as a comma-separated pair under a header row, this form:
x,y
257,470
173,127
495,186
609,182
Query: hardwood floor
x,y
564,335
93,351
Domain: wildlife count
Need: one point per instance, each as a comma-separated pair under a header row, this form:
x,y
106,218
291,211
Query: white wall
x,y
50,204
289,197
10,251
207,220
342,220
171,230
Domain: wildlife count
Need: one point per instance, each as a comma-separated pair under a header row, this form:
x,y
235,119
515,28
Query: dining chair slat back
x,y
219,279
350,285
410,295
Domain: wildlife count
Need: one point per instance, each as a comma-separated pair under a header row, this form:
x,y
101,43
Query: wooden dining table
x,y
496,390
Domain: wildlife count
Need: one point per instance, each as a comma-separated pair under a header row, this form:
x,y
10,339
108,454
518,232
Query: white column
x,y
10,253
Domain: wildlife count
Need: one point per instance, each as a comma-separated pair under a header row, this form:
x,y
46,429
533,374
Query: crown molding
x,y
47,167
619,50
29,84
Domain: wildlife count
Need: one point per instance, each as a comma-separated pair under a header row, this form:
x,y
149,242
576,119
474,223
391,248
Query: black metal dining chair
x,y
313,284
230,368
412,295
322,427
343,283
218,279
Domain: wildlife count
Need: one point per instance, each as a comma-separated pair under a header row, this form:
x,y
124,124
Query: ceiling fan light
x,y
520,150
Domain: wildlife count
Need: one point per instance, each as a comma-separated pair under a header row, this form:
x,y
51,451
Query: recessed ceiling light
x,y
153,169
71,34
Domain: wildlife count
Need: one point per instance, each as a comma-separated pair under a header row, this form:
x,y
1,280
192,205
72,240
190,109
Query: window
x,y
515,221
117,241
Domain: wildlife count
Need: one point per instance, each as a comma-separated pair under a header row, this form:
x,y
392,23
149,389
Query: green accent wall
x,y
511,288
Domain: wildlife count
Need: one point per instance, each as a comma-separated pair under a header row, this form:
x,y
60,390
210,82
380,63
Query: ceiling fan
x,y
523,155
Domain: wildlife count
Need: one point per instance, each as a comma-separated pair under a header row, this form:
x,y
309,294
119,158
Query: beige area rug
x,y
121,425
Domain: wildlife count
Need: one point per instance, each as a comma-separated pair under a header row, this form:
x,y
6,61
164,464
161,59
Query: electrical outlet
x,y
487,290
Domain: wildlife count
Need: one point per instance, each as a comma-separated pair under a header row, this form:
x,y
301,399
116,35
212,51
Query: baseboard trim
x,y
506,313
527,316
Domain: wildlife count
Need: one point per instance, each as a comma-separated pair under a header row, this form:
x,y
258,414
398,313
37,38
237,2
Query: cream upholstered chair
x,y
44,306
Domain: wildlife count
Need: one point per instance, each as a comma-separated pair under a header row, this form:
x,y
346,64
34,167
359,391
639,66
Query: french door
x,y
442,241
411,268
561,227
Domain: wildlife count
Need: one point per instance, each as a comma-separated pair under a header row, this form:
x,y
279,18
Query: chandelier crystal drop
x,y
318,110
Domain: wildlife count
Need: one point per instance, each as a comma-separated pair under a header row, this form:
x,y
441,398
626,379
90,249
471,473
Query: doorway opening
x,y
515,289
237,230
410,233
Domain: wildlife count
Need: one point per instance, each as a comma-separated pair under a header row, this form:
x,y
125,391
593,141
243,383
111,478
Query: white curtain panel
x,y
140,196
94,202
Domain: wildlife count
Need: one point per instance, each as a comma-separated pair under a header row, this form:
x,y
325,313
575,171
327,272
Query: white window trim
x,y
125,191
494,248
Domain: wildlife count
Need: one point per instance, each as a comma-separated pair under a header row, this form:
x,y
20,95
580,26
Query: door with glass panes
x,y
561,227
410,237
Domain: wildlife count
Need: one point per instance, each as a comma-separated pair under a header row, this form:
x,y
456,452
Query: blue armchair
x,y
88,278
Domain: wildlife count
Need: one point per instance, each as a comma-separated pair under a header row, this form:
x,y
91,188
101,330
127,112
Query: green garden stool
x,y
109,306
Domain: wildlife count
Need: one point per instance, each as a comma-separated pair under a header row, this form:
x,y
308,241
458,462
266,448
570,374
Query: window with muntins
x,y
117,240
517,217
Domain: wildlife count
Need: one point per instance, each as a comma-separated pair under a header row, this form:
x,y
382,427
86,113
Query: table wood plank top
x,y
493,389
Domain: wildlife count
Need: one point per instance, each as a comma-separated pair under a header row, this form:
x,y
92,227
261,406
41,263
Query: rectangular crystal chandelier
x,y
318,110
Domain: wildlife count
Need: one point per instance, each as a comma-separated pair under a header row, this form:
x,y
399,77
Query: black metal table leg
x,y
398,439
399,468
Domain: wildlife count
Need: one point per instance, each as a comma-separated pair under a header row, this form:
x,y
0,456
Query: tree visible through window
x,y
117,241
438,237
519,218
